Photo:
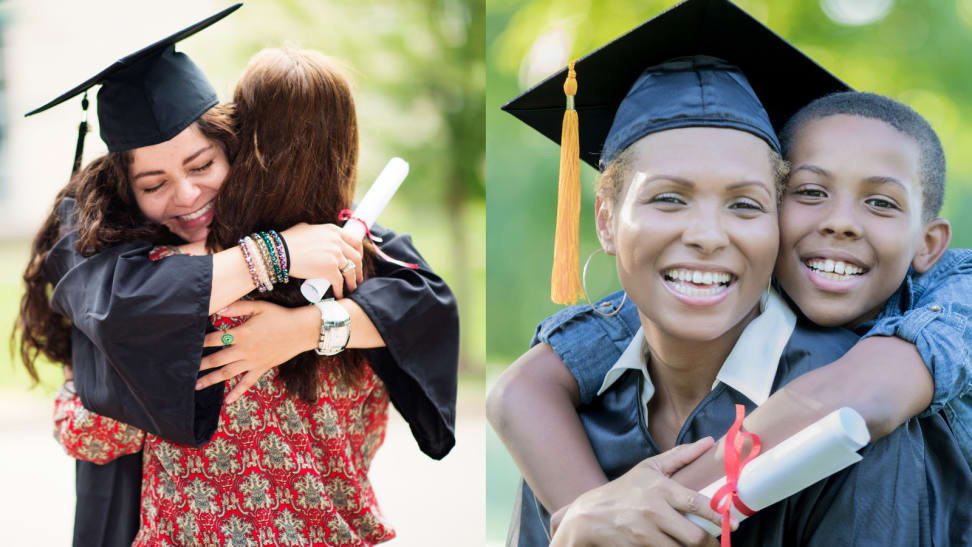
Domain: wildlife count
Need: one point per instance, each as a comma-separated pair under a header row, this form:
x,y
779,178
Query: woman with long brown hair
x,y
256,477
133,330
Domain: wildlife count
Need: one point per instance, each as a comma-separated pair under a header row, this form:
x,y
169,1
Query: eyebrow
x,y
876,179
886,180
191,157
689,184
813,169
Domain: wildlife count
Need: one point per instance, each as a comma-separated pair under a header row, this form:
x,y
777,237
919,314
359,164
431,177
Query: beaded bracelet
x,y
244,248
261,266
278,244
265,255
274,260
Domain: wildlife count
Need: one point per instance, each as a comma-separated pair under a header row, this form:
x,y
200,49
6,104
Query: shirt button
x,y
935,308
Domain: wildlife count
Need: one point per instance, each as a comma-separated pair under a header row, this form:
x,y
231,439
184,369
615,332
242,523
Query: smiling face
x,y
850,223
175,182
694,228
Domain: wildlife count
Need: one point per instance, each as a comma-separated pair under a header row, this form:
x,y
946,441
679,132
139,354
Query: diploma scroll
x,y
371,206
818,451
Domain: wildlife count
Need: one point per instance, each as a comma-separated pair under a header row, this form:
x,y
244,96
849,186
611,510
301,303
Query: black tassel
x,y
82,131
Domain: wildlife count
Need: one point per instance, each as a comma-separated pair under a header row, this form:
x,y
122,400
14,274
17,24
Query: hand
x,y
271,336
323,250
641,507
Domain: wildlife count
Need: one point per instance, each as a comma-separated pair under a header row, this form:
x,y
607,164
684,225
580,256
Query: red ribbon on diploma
x,y
346,214
728,496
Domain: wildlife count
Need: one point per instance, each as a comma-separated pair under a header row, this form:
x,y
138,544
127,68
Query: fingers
x,y
350,239
222,357
677,527
672,460
246,382
687,500
221,375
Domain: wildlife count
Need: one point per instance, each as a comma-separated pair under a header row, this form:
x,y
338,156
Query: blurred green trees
x,y
914,51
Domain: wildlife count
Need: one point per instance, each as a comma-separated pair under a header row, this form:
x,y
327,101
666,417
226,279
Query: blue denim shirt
x,y
930,311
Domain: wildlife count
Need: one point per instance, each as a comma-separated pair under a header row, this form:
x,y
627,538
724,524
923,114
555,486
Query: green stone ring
x,y
227,339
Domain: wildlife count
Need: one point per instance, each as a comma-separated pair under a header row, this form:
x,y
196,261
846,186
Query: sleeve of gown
x,y
88,436
138,335
416,315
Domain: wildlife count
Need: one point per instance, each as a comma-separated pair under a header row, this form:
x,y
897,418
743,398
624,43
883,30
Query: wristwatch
x,y
335,327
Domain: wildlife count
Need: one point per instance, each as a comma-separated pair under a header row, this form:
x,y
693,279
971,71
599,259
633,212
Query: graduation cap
x,y
147,97
700,63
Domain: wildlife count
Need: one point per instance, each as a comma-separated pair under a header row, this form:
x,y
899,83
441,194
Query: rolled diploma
x,y
818,451
371,206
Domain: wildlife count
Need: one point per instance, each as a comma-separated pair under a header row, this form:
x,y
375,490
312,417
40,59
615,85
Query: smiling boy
x,y
859,211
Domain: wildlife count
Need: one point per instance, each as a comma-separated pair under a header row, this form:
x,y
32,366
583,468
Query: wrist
x,y
309,319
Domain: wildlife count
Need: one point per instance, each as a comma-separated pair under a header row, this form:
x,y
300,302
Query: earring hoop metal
x,y
587,294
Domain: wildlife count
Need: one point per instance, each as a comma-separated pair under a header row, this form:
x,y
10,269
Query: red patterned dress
x,y
278,471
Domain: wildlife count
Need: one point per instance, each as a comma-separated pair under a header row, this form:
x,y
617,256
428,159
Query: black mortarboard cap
x,y
149,96
784,79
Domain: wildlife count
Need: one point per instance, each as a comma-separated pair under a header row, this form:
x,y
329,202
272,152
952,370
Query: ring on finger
x,y
349,266
226,339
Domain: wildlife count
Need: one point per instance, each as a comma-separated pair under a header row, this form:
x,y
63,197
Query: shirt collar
x,y
750,367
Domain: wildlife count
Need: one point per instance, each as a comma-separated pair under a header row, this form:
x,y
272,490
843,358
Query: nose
x,y
841,221
185,193
705,232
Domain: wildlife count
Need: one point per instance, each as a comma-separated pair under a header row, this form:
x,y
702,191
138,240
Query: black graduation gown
x,y
912,488
138,328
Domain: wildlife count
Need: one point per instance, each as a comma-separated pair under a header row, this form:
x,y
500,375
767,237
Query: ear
x,y
604,219
938,234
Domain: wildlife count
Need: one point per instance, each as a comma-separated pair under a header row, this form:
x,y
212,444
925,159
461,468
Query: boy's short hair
x,y
898,115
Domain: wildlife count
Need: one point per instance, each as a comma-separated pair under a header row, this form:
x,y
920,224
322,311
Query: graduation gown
x,y
138,329
912,488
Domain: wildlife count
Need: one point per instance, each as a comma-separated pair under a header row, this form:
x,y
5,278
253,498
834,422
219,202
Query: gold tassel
x,y
565,283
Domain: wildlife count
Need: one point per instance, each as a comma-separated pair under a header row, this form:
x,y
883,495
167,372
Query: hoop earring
x,y
587,294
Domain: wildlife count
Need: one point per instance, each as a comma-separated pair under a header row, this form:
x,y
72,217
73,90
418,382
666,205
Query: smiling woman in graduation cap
x,y
681,115
137,327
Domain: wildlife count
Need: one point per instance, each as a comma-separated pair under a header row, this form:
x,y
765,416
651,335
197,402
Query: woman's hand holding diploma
x,y
641,507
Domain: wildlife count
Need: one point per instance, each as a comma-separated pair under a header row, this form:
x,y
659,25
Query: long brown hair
x,y
105,215
297,162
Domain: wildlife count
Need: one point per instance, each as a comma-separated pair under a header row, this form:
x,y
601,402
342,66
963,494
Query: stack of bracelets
x,y
266,256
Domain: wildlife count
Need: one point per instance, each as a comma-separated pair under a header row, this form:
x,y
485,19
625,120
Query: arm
x,y
273,334
906,362
87,436
882,378
532,408
140,325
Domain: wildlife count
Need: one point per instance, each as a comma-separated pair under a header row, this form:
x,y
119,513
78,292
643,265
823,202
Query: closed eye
x,y
151,189
202,168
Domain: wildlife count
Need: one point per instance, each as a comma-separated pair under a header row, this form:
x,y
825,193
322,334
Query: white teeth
x,y
196,214
691,290
835,269
697,277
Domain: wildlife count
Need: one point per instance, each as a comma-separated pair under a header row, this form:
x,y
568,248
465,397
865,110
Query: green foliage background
x,y
917,53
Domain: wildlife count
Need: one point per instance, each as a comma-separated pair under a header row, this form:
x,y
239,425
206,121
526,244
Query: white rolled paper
x,y
368,209
818,451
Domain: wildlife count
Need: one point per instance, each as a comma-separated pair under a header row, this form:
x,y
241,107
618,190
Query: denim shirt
x,y
930,311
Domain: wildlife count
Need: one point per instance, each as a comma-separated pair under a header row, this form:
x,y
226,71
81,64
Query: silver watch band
x,y
335,328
